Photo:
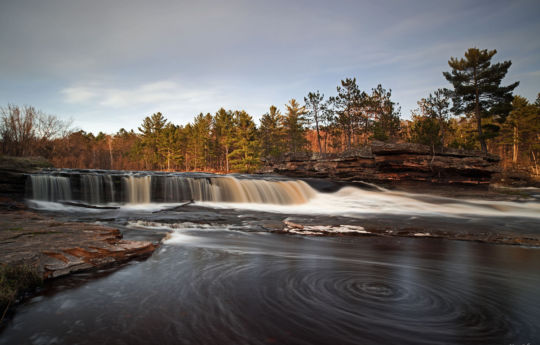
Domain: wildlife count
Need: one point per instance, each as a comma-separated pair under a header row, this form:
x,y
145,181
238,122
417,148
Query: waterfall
x,y
262,191
138,189
110,186
230,189
92,188
100,187
50,187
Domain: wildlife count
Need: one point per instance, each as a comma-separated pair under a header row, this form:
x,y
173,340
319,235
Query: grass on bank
x,y
15,280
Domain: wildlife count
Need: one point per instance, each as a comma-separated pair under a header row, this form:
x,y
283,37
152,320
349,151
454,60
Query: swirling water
x,y
219,286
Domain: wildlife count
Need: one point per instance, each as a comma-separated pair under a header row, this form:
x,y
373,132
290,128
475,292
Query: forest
x,y
475,112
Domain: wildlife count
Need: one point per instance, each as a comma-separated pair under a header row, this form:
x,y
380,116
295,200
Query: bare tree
x,y
25,131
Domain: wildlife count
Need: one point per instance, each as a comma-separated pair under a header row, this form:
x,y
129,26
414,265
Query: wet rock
x,y
58,248
13,172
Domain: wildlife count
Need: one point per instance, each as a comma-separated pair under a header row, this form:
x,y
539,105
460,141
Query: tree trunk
x,y
478,116
227,158
110,152
318,135
515,146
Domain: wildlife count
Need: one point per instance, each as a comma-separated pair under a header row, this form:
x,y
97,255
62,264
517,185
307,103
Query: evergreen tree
x,y
431,120
223,127
201,141
315,111
272,134
387,121
437,107
150,132
462,134
169,145
294,124
190,147
348,105
478,90
521,129
245,156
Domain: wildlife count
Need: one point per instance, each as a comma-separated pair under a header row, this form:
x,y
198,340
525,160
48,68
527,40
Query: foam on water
x,y
354,202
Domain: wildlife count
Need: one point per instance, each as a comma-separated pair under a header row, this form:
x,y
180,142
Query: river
x,y
233,282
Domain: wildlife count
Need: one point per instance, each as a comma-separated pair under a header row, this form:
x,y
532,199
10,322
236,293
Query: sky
x,y
107,64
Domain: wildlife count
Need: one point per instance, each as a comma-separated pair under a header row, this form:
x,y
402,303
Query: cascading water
x,y
97,188
218,189
92,188
230,189
50,187
138,189
274,195
109,187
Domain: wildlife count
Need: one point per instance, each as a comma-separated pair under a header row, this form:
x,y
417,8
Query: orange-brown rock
x,y
59,248
391,162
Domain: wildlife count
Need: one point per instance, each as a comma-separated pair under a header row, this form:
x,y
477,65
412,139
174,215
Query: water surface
x,y
218,286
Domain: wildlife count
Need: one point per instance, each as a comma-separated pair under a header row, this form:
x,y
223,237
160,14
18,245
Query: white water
x,y
349,201
92,188
231,189
355,202
138,189
50,188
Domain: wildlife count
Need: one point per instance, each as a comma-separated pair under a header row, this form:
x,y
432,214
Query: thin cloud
x,y
153,93
75,95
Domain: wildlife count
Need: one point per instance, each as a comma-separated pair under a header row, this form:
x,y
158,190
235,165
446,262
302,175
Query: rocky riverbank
x,y
35,247
392,163
58,248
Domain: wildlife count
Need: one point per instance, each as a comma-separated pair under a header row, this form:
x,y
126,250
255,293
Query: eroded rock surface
x,y
13,172
384,162
59,248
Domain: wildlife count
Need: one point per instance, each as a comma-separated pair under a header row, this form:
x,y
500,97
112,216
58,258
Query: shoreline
x,y
44,248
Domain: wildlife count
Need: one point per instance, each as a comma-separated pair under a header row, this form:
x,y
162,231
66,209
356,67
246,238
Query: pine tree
x,y
315,111
478,91
348,107
521,129
245,157
223,127
294,124
431,119
169,145
150,131
386,122
272,134
201,142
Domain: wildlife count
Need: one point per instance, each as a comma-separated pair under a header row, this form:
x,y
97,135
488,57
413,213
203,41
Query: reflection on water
x,y
215,286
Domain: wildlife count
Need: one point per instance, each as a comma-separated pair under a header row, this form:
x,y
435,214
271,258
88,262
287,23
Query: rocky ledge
x,y
60,248
13,172
391,162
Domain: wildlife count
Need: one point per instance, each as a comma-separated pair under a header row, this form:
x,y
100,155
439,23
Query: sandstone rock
x,y
59,248
392,162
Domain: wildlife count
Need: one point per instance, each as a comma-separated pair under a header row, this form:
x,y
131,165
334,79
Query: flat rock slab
x,y
59,248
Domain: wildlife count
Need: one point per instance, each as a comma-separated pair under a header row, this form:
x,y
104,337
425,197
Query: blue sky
x,y
108,64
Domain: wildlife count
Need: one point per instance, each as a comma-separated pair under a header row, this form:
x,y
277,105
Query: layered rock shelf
x,y
391,162
59,248
13,172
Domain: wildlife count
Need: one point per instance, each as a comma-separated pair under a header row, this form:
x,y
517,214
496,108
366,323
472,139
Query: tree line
x,y
475,112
